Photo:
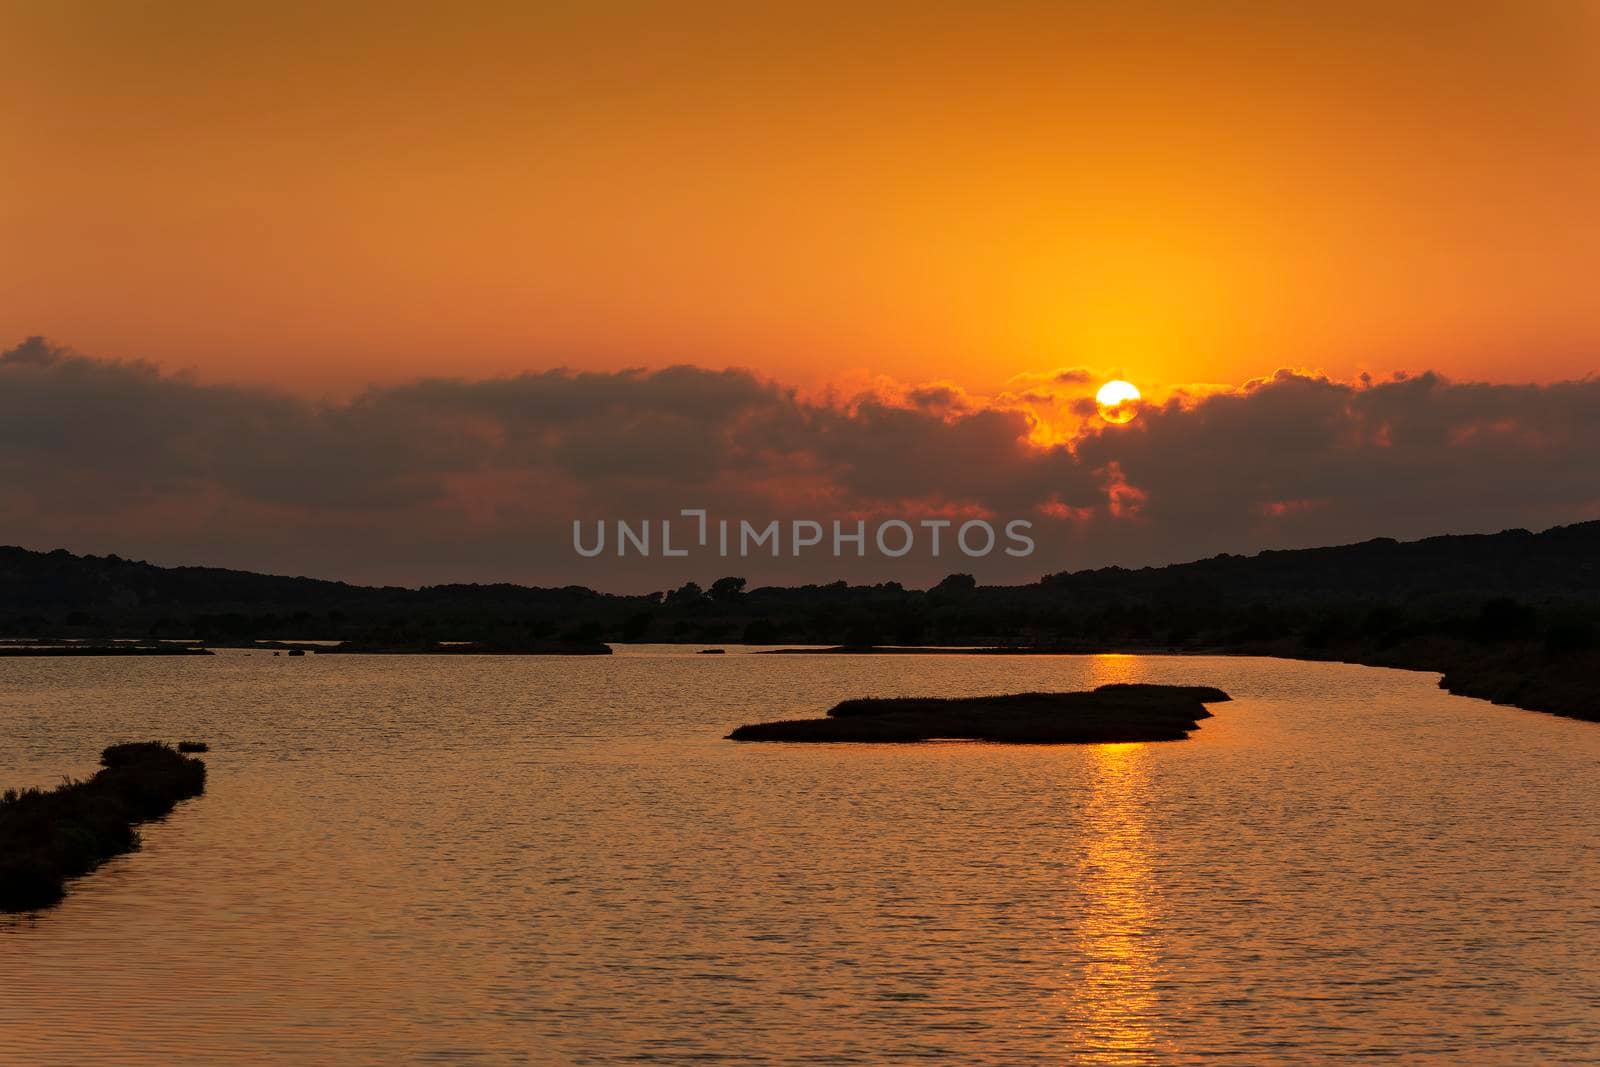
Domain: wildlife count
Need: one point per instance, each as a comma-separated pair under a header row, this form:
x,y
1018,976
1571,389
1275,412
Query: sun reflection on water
x,y
1108,667
1111,996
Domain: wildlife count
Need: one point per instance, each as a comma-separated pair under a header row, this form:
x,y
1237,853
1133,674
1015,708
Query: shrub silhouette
x,y
47,837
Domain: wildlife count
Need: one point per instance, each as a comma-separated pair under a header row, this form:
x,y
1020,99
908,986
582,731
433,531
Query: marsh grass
x,y
48,836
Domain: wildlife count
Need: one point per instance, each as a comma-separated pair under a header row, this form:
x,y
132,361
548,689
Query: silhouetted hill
x,y
1558,562
1514,583
1511,616
60,594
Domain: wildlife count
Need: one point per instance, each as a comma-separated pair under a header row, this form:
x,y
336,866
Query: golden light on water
x,y
1116,1010
1118,401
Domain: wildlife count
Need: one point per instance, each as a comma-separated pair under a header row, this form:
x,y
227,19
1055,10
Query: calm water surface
x,y
558,861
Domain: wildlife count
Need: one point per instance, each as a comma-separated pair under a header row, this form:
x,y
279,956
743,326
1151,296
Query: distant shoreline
x,y
1523,678
298,649
25,651
1522,675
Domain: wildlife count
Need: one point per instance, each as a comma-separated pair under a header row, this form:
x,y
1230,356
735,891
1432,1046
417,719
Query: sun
x,y
1118,401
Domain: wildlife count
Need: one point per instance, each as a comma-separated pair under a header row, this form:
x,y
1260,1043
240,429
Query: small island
x,y
1112,713
49,836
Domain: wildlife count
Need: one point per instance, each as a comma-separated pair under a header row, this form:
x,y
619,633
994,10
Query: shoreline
x,y
1522,677
298,649
27,651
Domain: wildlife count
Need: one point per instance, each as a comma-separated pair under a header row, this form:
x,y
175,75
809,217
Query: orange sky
x,y
320,196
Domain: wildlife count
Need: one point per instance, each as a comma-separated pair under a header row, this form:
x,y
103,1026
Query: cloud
x,y
1299,460
448,479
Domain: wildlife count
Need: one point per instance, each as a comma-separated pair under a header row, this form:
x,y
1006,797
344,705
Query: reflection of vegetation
x,y
1111,713
1512,616
48,837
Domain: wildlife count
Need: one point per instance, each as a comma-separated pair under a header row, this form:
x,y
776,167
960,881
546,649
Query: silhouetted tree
x,y
727,590
686,595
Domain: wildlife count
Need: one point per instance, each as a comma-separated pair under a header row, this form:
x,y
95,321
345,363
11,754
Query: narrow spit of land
x,y
18,651
1111,713
48,836
433,648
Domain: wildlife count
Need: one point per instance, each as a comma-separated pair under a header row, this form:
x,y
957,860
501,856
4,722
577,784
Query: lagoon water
x,y
559,861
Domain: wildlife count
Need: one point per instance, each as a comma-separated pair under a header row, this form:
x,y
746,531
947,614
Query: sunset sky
x,y
938,226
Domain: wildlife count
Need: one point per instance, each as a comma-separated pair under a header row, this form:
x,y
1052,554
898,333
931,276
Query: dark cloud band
x,y
440,480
